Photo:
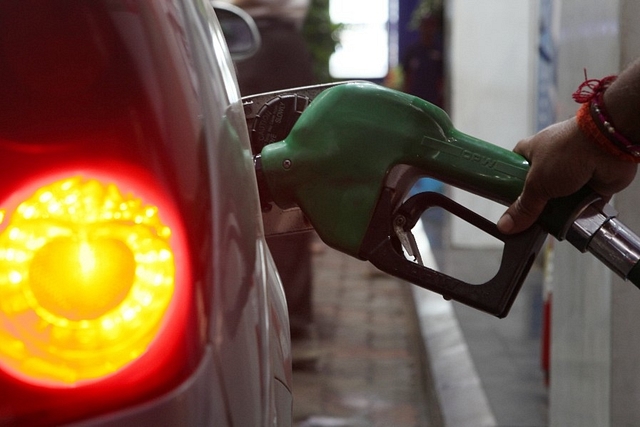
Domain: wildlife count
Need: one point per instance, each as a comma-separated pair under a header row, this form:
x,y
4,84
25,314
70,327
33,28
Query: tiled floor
x,y
370,369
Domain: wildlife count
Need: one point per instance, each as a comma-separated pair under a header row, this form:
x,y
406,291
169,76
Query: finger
x,y
521,215
523,147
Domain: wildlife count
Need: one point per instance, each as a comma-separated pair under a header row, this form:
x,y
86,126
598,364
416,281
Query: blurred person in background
x,y
423,63
284,61
423,76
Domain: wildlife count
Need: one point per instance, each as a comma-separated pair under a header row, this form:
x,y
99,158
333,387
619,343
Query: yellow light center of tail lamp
x,y
80,280
86,275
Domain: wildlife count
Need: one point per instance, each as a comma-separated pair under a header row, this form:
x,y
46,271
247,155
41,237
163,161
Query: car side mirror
x,y
239,29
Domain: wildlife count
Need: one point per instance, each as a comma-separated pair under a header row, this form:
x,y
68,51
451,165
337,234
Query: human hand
x,y
562,161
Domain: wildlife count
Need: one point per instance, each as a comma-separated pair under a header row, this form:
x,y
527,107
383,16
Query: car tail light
x,y
103,199
87,275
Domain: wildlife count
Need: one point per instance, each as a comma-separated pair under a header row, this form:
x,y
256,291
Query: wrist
x,y
595,121
622,112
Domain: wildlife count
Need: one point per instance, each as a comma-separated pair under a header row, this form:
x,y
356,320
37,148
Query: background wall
x,y
595,369
625,338
491,72
587,37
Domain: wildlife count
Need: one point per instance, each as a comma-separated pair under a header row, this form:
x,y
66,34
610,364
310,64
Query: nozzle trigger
x,y
383,247
406,238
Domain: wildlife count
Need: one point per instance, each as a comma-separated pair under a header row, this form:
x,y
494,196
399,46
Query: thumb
x,y
521,214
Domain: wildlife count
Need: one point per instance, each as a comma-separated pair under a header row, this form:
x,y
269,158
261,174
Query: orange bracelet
x,y
589,127
594,122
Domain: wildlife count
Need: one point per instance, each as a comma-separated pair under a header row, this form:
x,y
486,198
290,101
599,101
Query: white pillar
x,y
595,371
625,340
490,68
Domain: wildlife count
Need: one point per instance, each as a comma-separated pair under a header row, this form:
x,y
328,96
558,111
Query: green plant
x,y
322,36
425,8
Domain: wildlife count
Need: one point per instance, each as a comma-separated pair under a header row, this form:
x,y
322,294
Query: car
x,y
136,287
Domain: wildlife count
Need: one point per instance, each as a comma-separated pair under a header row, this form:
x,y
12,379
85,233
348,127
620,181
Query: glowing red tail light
x,y
87,275
101,204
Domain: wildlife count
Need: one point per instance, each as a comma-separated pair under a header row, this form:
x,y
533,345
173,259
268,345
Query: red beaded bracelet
x,y
594,121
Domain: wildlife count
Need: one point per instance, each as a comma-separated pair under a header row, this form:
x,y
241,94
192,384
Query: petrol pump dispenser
x,y
341,159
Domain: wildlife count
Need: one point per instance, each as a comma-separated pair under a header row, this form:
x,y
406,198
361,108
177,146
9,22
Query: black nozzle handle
x,y
496,296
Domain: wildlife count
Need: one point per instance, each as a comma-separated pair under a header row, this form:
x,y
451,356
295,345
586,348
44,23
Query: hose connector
x,y
598,231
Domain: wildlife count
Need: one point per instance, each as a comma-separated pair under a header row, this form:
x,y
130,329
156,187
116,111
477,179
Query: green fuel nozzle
x,y
350,158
